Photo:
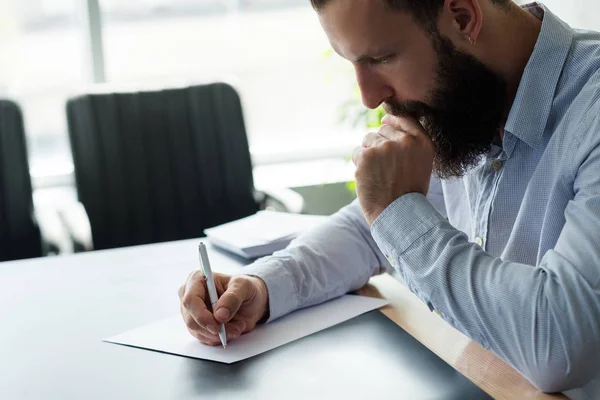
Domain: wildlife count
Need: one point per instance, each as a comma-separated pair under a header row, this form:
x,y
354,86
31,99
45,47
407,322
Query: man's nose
x,y
373,88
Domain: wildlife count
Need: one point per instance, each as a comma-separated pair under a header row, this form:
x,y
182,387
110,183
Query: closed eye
x,y
383,60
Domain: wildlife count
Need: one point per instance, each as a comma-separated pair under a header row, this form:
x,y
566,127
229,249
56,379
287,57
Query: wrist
x,y
372,215
263,295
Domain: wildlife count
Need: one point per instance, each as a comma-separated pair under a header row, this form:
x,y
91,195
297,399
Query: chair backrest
x,y
156,166
19,234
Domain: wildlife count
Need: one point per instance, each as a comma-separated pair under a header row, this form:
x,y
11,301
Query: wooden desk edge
x,y
479,365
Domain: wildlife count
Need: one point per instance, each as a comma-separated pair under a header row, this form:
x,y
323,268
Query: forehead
x,y
362,27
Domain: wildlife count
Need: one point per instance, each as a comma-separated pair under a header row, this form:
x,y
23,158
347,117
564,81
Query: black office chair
x,y
20,235
157,166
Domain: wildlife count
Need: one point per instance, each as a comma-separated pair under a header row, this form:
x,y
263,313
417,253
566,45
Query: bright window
x,y
42,61
272,51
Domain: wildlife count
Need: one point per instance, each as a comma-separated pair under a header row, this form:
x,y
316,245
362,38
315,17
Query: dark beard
x,y
464,113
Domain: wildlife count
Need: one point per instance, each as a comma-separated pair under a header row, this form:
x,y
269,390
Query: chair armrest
x,y
77,223
282,199
55,238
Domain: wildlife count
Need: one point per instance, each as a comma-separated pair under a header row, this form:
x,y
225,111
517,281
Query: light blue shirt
x,y
510,254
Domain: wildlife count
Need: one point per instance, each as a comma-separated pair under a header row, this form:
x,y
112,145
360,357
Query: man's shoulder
x,y
581,71
582,121
574,124
578,92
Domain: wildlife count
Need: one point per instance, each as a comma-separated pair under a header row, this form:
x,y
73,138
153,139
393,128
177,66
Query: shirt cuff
x,y
280,286
403,222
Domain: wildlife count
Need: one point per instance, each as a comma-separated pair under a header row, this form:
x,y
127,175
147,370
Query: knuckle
x,y
232,330
368,138
234,297
245,283
240,285
187,300
203,340
190,322
386,129
206,319
238,280
206,340
369,154
388,146
195,334
190,278
196,275
241,326
202,336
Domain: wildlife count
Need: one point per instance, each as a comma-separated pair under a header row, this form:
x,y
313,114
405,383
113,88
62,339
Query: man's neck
x,y
511,40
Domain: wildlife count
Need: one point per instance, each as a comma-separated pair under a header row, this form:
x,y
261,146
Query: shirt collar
x,y
532,105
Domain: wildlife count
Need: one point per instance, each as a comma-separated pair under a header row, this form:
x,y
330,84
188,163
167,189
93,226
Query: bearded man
x,y
482,187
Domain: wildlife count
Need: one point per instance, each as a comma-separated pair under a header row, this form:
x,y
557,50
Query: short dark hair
x,y
424,11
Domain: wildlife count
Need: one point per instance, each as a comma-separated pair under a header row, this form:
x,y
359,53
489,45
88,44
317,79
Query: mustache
x,y
419,111
413,109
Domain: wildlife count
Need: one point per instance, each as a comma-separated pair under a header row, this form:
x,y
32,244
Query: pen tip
x,y
224,346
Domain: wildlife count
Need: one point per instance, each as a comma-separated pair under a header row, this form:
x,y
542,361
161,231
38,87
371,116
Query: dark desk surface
x,y
54,313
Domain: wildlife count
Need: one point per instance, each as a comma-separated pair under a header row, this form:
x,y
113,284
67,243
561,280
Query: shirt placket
x,y
484,190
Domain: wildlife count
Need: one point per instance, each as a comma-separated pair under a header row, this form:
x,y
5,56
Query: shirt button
x,y
479,241
497,165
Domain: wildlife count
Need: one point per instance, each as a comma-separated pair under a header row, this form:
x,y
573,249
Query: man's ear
x,y
467,18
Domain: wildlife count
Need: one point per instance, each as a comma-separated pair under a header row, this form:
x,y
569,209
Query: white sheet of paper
x,y
171,335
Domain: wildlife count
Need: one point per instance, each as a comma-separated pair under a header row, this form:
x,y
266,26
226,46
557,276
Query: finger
x,y
189,320
238,291
357,155
208,340
181,290
406,124
237,327
233,329
389,132
193,300
193,326
387,119
372,139
221,282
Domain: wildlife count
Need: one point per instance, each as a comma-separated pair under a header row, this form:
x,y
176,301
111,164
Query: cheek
x,y
413,76
410,85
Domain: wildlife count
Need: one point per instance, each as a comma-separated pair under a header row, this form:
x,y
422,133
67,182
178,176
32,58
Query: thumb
x,y
231,300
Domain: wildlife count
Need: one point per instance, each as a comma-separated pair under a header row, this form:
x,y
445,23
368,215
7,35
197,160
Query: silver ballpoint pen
x,y
212,290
